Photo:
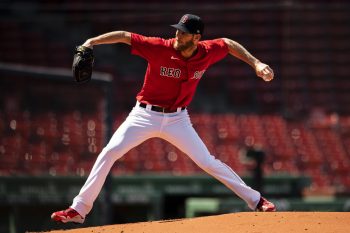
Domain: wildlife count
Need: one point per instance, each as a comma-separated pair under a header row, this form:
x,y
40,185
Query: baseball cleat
x,y
68,215
265,206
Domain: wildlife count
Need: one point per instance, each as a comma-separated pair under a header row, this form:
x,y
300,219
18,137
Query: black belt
x,y
160,109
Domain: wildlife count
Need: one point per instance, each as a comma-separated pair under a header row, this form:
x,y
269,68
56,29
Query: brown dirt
x,y
246,222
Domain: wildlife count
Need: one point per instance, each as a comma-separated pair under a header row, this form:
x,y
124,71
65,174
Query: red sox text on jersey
x,y
176,73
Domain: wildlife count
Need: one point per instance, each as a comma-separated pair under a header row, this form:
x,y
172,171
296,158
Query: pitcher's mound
x,y
246,222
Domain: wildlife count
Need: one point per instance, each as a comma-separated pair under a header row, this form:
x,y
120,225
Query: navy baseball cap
x,y
191,24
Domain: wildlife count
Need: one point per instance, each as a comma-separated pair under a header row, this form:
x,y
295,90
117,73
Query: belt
x,y
160,109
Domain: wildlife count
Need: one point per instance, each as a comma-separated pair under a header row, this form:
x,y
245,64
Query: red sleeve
x,y
145,47
218,49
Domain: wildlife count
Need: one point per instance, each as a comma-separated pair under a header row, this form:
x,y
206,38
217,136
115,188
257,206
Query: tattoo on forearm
x,y
240,52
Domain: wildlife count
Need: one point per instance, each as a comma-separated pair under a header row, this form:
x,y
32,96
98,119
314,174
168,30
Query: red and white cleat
x,y
68,215
265,206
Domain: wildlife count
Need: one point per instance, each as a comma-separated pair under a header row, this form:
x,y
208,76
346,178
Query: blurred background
x,y
289,138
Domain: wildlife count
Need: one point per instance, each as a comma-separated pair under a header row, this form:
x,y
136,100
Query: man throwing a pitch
x,y
175,67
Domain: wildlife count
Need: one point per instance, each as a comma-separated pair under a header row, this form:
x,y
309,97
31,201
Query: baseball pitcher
x,y
175,67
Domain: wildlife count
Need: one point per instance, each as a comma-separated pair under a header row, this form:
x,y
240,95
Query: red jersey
x,y
170,80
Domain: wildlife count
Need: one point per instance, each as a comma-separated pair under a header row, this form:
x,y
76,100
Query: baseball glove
x,y
82,64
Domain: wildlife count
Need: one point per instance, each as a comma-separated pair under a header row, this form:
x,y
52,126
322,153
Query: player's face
x,y
183,40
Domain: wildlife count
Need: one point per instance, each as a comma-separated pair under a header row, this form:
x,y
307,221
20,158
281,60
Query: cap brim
x,y
180,27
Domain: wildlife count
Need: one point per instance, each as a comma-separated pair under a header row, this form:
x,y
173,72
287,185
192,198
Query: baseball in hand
x,y
264,71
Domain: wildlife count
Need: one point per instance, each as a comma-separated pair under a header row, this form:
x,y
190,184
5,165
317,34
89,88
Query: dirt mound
x,y
252,222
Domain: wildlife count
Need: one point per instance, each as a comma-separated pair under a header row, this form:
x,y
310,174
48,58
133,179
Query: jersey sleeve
x,y
218,50
145,47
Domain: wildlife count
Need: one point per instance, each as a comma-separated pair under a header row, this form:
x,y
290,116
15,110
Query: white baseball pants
x,y
176,128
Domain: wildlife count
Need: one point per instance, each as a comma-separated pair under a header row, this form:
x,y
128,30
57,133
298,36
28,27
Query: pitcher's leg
x,y
125,138
187,140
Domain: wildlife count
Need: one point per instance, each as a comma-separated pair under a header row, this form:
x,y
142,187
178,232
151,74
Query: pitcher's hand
x,y
264,71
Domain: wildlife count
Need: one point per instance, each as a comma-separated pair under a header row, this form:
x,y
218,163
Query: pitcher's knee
x,y
208,164
111,153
